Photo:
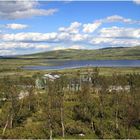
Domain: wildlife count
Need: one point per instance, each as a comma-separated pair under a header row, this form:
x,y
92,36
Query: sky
x,y
36,26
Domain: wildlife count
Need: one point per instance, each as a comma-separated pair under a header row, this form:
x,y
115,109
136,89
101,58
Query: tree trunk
x,y
21,105
29,104
101,117
6,125
116,115
50,134
93,126
116,121
50,126
62,123
11,121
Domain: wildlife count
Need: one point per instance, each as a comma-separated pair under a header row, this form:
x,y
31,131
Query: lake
x,y
70,64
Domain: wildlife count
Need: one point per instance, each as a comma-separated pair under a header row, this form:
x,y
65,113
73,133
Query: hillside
x,y
99,54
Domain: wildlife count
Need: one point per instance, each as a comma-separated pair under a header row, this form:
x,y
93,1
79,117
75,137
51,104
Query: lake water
x,y
70,64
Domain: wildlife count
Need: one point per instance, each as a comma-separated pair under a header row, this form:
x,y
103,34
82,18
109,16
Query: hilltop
x,y
99,54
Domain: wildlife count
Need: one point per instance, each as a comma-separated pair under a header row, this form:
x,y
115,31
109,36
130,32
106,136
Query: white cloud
x,y
91,27
59,48
79,37
75,36
7,52
120,32
77,47
136,1
44,37
108,42
117,36
117,18
21,45
12,48
73,32
63,36
17,9
42,46
73,28
106,36
30,37
69,47
15,26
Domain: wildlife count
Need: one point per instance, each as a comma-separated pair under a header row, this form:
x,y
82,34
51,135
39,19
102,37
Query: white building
x,y
51,77
41,81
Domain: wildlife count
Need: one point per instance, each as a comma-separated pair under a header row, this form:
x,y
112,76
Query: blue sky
x,y
35,26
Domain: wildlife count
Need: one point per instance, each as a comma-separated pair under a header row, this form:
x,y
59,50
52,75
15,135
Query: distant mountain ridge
x,y
8,57
112,48
99,54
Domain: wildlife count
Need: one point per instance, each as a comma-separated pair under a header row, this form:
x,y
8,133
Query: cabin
x,y
50,77
42,81
119,88
74,85
39,83
84,77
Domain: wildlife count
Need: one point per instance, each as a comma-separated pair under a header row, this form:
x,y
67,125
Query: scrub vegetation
x,y
82,103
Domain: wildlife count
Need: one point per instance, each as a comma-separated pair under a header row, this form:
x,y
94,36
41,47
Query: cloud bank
x,y
18,9
137,1
77,36
15,26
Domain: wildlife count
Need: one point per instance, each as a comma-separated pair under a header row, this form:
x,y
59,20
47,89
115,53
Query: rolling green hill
x,y
99,54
